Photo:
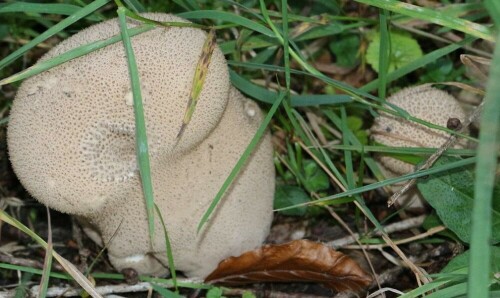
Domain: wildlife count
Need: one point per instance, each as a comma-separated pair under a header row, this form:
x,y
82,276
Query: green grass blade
x,y
433,16
140,125
50,8
112,276
384,53
47,264
329,199
267,96
135,5
170,257
487,162
53,30
71,269
402,150
228,17
494,10
4,121
286,47
71,54
241,162
64,276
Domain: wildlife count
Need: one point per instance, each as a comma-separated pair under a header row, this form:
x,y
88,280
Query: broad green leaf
x,y
315,178
214,293
287,195
432,221
248,295
462,261
345,48
403,50
451,194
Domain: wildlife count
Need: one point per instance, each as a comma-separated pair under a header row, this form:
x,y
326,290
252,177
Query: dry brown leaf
x,y
296,261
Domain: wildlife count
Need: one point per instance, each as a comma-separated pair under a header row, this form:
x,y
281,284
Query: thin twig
x,y
430,232
419,274
346,227
430,161
403,225
103,290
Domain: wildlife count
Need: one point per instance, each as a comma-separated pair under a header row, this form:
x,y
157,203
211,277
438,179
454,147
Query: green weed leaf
x,y
287,195
403,50
315,179
345,48
462,261
451,194
214,293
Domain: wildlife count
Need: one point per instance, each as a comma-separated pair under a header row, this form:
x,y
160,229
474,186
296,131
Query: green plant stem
x,y
489,142
140,125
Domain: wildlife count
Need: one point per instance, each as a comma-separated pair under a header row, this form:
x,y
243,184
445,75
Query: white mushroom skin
x,y
71,142
426,103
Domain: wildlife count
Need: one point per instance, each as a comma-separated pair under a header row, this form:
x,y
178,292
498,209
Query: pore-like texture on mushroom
x,y
184,192
71,132
426,103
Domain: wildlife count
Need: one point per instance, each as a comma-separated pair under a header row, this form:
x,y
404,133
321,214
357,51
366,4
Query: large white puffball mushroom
x,y
423,102
71,141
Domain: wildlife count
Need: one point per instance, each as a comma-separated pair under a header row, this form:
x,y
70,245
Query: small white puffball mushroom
x,y
71,141
423,102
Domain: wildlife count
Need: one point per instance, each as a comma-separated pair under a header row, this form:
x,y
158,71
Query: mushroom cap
x,y
426,103
183,193
71,134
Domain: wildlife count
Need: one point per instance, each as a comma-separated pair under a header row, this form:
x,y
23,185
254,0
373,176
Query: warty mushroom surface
x,y
423,102
71,142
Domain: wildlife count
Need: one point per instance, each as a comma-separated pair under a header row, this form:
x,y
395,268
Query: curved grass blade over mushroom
x,y
140,125
296,261
199,78
433,16
241,162
71,54
228,17
170,257
70,268
53,30
135,16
